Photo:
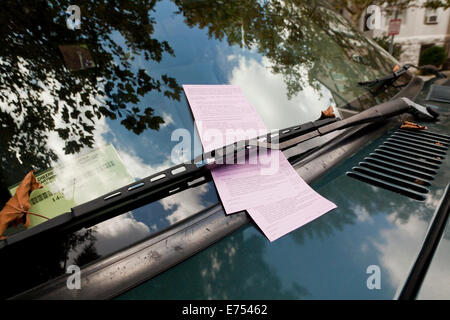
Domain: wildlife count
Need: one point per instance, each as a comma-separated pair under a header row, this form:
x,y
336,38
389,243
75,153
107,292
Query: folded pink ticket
x,y
267,186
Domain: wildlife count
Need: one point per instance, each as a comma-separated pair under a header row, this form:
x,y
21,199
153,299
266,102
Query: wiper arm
x,y
389,79
386,79
191,174
380,112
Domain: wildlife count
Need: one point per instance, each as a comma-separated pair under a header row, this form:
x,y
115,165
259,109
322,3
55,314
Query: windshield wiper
x,y
391,78
197,172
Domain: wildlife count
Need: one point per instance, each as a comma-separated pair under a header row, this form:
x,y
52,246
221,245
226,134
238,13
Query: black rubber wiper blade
x,y
391,78
380,112
197,172
388,79
153,188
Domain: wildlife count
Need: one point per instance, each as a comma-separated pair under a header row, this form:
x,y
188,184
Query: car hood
x,y
330,258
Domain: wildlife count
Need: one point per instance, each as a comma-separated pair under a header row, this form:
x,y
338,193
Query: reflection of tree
x,y
32,264
232,269
304,40
39,95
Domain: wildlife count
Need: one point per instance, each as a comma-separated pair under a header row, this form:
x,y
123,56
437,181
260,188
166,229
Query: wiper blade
x,y
391,78
194,173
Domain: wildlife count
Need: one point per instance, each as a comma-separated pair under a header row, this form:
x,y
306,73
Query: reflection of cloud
x,y
437,281
119,232
136,165
8,103
113,234
168,119
362,214
185,203
398,250
397,246
433,201
56,144
268,93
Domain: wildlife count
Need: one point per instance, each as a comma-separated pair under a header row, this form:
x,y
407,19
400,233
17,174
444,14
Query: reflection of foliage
x,y
87,255
232,269
303,40
435,56
35,86
31,264
38,95
385,41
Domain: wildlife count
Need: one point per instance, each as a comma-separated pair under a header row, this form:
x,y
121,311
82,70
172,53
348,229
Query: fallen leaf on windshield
x,y
412,126
439,144
327,114
16,209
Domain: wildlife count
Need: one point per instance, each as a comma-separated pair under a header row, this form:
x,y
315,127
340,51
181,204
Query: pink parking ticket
x,y
268,187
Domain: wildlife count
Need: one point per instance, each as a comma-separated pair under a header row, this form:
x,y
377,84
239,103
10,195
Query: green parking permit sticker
x,y
75,182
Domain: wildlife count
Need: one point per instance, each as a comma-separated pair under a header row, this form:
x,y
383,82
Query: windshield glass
x,y
91,94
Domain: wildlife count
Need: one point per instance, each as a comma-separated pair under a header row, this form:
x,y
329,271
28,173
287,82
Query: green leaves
x,y
138,122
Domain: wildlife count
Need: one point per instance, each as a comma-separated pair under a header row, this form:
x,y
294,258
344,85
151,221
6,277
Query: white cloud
x,y
268,94
398,247
186,203
437,281
137,166
362,214
119,232
168,119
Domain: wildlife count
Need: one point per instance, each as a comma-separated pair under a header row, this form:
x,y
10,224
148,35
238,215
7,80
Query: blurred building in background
x,y
421,28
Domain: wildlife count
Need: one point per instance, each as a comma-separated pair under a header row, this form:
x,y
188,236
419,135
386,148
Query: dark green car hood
x,y
328,258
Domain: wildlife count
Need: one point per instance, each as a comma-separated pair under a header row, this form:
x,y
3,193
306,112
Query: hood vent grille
x,y
439,94
406,163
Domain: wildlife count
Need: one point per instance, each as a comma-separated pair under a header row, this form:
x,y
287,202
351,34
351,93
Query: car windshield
x,y
91,94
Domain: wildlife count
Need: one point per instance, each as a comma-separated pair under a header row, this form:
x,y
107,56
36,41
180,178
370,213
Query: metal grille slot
x,y
427,134
406,163
411,154
439,93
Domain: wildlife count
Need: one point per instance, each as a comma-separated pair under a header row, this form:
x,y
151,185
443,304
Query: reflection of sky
x,y
265,90
436,284
199,60
193,64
